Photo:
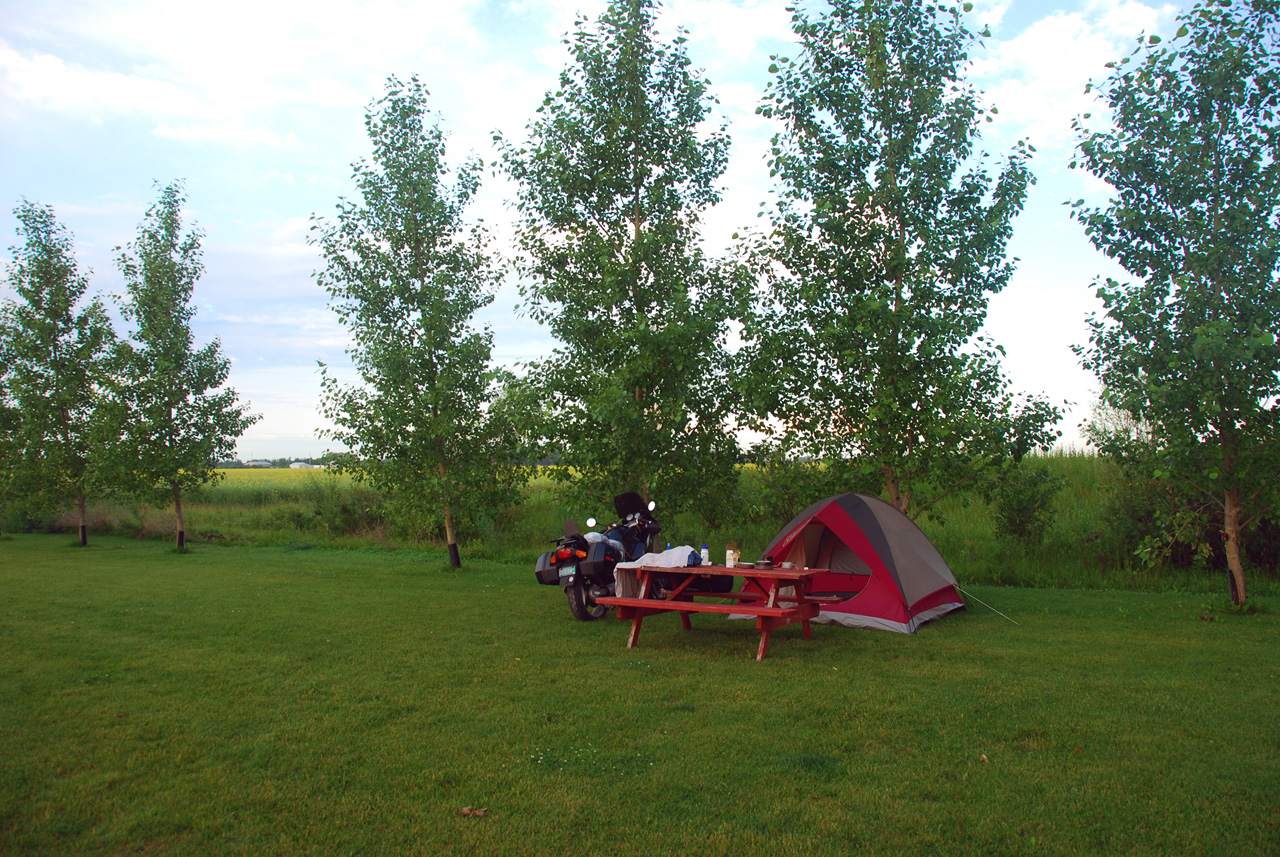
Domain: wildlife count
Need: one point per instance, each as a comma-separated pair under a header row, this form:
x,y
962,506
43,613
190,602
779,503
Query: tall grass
x,y
1084,546
258,507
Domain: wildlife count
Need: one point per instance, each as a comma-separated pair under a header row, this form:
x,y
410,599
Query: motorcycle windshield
x,y
630,503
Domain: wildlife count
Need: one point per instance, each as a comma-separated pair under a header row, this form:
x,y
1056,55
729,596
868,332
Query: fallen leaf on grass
x,y
472,812
983,758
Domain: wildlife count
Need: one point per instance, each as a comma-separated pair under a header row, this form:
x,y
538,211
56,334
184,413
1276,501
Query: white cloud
x,y
990,13
739,98
723,32
1037,78
293,231
48,82
109,207
236,132
302,318
250,71
260,106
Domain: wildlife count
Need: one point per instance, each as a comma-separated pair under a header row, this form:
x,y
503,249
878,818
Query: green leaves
x,y
176,419
1195,219
612,185
55,351
406,276
888,241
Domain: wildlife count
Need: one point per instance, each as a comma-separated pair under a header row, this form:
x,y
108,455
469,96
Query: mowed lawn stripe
x,y
260,700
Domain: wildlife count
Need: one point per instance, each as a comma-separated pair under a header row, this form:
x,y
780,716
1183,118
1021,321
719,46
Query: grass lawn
x,y
272,701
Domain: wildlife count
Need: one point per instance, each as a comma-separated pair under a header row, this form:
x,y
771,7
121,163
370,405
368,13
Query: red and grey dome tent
x,y
893,576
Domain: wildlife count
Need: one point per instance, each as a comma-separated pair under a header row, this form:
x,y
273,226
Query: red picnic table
x,y
784,591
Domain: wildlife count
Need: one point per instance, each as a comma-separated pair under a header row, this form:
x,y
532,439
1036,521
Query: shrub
x,y
1024,504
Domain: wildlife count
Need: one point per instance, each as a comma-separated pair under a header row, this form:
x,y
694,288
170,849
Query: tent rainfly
x,y
890,574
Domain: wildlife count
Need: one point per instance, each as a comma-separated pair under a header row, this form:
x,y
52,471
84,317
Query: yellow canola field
x,y
270,477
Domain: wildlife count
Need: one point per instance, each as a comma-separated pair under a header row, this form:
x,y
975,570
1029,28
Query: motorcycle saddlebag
x,y
547,573
598,566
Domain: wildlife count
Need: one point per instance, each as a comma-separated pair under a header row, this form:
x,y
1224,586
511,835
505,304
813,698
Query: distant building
x,y
302,465
258,463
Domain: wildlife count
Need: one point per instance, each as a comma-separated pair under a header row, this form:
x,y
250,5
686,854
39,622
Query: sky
x,y
259,108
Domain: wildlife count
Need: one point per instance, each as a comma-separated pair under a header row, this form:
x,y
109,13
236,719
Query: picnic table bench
x,y
783,591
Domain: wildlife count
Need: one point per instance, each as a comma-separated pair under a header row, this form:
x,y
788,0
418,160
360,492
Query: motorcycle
x,y
582,563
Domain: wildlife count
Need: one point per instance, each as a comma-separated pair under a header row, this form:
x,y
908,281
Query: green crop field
x,y
260,700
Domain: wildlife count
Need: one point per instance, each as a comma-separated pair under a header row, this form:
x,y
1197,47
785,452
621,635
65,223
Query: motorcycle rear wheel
x,y
582,604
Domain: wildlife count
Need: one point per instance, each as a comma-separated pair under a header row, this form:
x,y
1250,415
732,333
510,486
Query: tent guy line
x,y
969,594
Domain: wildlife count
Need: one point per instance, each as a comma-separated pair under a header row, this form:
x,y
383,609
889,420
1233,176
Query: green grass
x,y
241,700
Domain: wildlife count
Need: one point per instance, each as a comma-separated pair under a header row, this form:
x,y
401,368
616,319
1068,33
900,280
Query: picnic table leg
x,y
645,583
801,591
684,616
765,624
764,644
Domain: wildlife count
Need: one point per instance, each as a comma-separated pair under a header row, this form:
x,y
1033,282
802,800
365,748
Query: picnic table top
x,y
739,571
769,583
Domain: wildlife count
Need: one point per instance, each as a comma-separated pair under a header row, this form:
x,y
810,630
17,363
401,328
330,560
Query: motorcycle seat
x,y
592,538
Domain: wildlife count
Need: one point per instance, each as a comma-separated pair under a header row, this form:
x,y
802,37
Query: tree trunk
x,y
84,518
454,558
450,536
177,511
1231,532
901,500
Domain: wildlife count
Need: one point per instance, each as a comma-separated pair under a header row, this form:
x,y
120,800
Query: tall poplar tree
x,y
887,243
618,168
57,348
1189,348
178,419
407,275
10,449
